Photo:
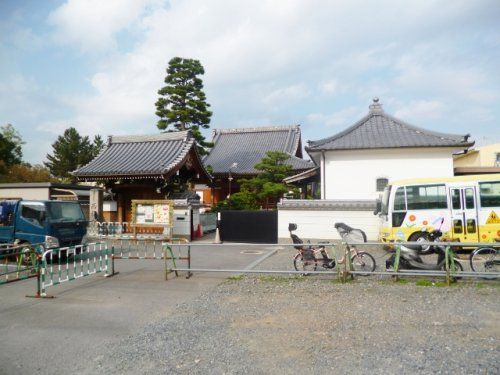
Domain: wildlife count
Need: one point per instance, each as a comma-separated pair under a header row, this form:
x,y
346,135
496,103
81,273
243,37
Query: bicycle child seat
x,y
354,234
295,238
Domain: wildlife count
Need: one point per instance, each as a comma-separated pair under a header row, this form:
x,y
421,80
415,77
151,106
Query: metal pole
x,y
344,276
447,264
189,274
38,279
396,261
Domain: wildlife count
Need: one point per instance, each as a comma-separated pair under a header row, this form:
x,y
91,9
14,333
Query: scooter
x,y
410,256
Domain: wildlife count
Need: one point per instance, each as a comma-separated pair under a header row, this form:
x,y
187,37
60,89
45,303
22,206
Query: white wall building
x,y
357,163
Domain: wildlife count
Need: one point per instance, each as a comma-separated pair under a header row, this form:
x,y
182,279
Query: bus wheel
x,y
421,237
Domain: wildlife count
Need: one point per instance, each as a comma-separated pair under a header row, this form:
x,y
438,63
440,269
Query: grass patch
x,y
394,281
236,278
427,282
487,284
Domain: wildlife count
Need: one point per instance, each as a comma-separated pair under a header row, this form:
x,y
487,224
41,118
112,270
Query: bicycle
x,y
360,260
307,258
486,259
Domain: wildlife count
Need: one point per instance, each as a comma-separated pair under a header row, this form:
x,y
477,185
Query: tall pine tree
x,y
71,151
182,102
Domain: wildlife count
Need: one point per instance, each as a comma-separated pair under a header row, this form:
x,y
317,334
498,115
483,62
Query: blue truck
x,y
51,223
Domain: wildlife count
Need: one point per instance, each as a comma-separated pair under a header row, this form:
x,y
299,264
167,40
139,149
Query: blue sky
x,y
97,65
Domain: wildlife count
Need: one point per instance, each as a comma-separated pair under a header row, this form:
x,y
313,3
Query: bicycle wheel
x,y
301,264
458,268
485,259
363,262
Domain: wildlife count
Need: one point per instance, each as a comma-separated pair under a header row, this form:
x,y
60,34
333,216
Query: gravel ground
x,y
313,325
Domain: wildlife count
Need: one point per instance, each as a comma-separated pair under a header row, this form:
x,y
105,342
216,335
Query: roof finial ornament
x,y
375,107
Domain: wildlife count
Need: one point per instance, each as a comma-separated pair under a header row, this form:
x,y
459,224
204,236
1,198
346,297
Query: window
x,y
469,198
455,199
65,211
33,213
385,200
382,183
489,194
426,197
399,199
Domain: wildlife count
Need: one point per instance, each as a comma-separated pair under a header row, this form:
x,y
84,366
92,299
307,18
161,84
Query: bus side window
x,y
455,199
469,198
489,193
399,199
471,225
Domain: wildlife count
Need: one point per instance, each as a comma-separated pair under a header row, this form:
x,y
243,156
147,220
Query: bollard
x,y
217,237
189,274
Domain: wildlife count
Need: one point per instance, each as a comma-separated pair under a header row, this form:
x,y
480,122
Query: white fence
x,y
315,219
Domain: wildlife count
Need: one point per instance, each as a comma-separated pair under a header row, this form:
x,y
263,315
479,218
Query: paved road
x,y
57,335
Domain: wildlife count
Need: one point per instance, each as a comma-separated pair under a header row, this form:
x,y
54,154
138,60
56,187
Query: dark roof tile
x,y
248,146
380,130
141,156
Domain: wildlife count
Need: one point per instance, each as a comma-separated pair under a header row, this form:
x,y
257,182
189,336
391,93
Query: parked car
x,y
51,223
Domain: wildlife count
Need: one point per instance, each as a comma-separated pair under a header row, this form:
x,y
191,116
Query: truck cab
x,y
52,223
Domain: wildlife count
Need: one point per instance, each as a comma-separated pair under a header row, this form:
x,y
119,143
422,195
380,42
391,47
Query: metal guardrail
x,y
70,263
346,269
18,262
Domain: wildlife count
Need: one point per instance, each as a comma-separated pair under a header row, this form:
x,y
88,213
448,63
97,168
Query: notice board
x,y
152,212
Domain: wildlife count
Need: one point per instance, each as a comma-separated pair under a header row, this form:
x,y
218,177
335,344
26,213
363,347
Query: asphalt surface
x,y
49,336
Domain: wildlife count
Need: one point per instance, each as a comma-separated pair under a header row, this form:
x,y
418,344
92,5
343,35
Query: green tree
x,y
264,188
97,145
71,151
182,102
10,145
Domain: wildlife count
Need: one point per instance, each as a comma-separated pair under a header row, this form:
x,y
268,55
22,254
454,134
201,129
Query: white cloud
x,y
277,62
422,110
340,119
93,24
432,68
329,87
287,95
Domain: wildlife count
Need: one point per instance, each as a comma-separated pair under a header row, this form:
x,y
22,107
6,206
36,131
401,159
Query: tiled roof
x,y
248,146
380,130
308,174
140,156
327,205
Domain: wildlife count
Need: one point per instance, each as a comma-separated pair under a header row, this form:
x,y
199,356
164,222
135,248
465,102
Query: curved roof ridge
x,y
142,157
186,146
166,136
256,129
419,130
378,129
350,129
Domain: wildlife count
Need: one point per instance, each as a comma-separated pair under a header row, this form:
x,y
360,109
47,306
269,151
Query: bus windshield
x,y
64,211
385,200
